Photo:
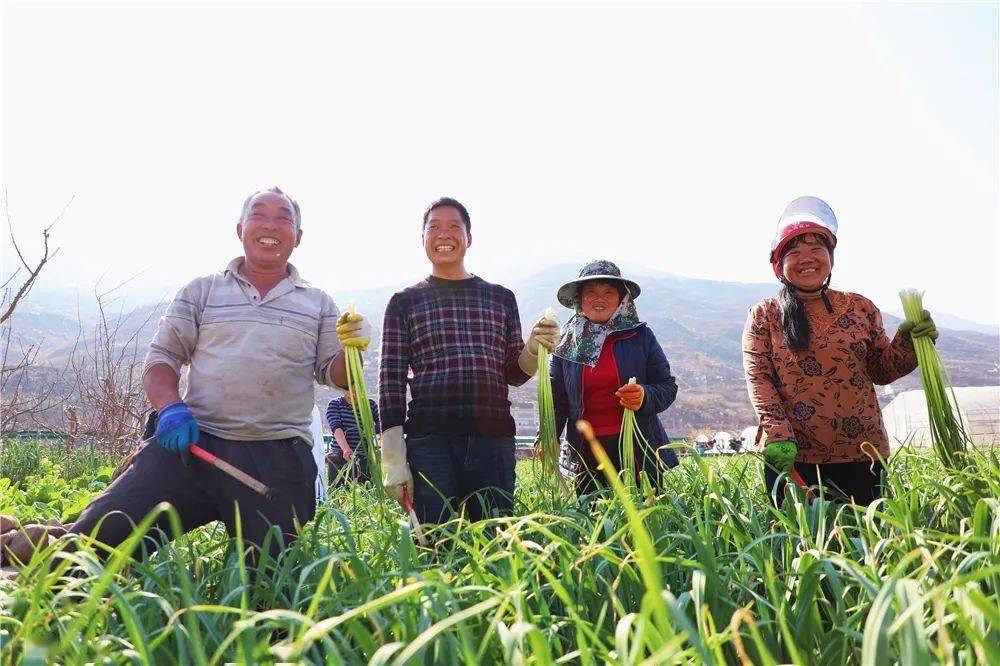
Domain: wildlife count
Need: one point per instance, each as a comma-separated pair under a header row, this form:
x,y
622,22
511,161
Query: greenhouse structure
x,y
978,409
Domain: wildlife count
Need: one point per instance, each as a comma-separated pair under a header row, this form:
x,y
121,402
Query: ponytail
x,y
794,323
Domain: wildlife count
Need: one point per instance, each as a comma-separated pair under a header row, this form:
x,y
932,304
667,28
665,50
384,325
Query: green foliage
x,y
362,411
548,438
46,492
947,434
20,459
706,572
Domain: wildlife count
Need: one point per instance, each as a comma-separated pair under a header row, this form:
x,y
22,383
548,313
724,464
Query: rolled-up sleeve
x,y
762,380
176,335
327,344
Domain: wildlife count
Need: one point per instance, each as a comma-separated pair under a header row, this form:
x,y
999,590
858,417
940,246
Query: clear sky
x,y
665,135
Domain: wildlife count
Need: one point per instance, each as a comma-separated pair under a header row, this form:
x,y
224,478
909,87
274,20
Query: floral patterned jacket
x,y
823,398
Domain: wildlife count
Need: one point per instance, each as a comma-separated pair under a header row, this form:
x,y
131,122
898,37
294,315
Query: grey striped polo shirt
x,y
253,360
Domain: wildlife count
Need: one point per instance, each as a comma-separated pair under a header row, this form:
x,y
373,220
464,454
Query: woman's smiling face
x,y
598,300
807,262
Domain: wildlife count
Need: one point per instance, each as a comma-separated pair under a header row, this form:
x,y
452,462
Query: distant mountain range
x,y
700,325
698,322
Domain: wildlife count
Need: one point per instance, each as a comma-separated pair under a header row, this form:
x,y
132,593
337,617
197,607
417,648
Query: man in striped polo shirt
x,y
256,337
455,340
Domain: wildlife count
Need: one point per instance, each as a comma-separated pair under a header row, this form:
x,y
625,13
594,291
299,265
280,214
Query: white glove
x,y
353,330
545,332
397,472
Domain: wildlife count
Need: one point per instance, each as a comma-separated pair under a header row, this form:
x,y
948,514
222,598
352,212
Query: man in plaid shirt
x,y
456,340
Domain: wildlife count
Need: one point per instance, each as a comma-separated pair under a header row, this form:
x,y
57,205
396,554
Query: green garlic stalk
x,y
947,436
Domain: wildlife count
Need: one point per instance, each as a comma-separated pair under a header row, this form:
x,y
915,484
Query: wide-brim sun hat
x,y
805,215
602,269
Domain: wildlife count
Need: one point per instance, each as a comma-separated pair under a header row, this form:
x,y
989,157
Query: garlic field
x,y
706,571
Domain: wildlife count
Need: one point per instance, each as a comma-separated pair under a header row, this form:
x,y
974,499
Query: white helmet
x,y
805,215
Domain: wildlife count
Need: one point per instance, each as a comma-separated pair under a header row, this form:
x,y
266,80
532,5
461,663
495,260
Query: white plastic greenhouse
x,y
979,408
749,438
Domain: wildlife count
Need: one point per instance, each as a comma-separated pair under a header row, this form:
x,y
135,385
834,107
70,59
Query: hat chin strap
x,y
821,290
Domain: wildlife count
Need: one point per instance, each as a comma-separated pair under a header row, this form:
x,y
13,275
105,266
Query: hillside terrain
x,y
698,322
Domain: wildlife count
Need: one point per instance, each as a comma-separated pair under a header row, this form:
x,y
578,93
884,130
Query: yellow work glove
x,y
353,330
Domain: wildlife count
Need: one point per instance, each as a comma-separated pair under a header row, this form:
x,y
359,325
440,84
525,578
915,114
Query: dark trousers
x,y
590,478
456,472
359,468
861,480
201,493
338,470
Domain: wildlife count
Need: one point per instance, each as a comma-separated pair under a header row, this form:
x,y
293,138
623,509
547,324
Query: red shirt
x,y
600,404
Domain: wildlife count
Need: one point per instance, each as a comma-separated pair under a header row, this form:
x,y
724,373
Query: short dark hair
x,y
454,203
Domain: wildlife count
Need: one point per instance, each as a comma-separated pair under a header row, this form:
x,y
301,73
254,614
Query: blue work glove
x,y
176,429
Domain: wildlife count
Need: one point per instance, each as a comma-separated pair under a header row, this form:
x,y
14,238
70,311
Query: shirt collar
x,y
233,267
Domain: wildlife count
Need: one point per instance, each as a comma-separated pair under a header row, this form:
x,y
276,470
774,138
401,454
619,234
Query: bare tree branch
x,y
32,272
11,278
31,389
110,399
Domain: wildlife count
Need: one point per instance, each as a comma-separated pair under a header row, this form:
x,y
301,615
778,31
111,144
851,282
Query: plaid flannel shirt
x,y
461,340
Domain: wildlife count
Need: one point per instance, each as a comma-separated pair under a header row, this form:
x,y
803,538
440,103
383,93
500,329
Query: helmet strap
x,y
822,291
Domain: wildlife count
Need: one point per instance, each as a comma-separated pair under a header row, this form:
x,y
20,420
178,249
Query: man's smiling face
x,y
445,236
268,231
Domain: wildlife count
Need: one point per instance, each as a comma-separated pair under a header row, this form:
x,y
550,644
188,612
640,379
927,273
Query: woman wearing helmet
x,y
812,357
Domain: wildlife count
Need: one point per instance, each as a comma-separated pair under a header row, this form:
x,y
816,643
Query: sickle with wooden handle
x,y
237,474
225,468
414,522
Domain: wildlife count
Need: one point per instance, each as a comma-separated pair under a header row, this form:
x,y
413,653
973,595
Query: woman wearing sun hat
x,y
602,346
812,356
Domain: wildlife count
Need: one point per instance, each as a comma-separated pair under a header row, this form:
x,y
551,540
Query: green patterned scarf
x,y
582,339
